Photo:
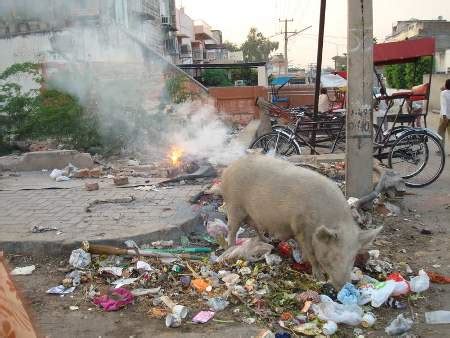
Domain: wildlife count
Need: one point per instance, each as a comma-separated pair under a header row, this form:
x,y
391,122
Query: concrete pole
x,y
285,47
359,148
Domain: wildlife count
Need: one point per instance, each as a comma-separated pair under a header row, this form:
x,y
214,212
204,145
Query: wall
x,y
298,95
237,104
437,81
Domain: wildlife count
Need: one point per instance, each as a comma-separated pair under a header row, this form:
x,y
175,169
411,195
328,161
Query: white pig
x,y
293,202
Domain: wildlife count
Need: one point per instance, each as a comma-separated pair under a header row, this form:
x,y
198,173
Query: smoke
x,y
122,82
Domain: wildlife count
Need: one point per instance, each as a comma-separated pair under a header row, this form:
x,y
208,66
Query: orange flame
x,y
175,155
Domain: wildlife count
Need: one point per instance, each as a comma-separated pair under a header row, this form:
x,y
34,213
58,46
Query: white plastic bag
x,y
350,314
399,326
56,173
420,283
381,295
252,249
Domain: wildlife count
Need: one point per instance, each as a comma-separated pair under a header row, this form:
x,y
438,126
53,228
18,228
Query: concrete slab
x,y
322,158
153,215
39,160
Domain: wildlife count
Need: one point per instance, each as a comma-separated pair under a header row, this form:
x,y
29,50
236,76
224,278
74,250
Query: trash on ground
x,y
420,283
399,326
203,317
144,292
25,270
114,300
252,249
60,290
124,281
437,317
38,229
438,278
114,270
80,259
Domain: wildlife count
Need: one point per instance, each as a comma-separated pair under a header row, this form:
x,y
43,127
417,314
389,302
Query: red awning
x,y
402,51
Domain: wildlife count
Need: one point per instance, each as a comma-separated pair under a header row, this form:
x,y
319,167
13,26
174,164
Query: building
x,y
340,62
30,32
415,28
199,43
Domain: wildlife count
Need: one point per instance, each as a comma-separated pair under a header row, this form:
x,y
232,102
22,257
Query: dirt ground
x,y
402,240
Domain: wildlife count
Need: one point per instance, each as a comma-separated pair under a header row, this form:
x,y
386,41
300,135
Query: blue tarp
x,y
281,80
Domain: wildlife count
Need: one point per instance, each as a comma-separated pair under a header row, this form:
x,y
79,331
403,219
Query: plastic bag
x,y
80,259
349,294
399,326
252,249
420,283
217,228
401,285
56,173
381,294
350,314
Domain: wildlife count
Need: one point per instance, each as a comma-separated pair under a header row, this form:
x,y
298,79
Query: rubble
x,y
120,180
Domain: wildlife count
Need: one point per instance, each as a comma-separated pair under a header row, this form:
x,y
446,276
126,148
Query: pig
x,y
287,201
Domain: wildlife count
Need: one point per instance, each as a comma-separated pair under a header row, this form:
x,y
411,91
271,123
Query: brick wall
x,y
237,104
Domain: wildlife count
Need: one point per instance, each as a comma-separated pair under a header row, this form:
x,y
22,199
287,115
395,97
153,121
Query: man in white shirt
x,y
324,102
445,111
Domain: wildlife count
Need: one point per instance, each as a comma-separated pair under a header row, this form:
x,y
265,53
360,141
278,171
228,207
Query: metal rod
x,y
323,5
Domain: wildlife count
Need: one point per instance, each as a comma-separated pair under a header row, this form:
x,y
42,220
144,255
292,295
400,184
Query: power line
x,y
287,37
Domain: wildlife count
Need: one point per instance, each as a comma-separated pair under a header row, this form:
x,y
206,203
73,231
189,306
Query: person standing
x,y
445,112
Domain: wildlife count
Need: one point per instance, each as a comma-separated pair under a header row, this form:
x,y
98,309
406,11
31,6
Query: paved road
x,y
150,215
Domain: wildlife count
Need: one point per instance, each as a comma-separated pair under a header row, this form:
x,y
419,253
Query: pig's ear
x,y
367,236
325,234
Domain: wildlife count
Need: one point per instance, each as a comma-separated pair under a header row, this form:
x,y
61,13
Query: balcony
x,y
203,31
147,9
197,54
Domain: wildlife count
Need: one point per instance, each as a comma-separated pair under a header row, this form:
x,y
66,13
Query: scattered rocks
x,y
120,180
91,186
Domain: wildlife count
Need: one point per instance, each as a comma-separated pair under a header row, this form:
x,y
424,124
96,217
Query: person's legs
x,y
443,125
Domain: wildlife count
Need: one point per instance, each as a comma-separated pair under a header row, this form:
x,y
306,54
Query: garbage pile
x,y
199,282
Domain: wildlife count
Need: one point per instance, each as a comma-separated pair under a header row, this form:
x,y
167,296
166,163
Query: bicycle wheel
x,y
276,143
418,157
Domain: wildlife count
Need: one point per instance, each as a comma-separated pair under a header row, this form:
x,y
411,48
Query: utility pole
x,y
287,37
359,162
286,41
323,5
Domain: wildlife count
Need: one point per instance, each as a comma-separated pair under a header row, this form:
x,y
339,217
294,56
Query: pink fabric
x,y
117,299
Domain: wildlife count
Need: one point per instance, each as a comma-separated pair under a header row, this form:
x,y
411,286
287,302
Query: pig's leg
x,y
308,251
235,217
260,232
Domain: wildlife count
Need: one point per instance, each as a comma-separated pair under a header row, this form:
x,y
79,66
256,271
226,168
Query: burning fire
x,y
175,155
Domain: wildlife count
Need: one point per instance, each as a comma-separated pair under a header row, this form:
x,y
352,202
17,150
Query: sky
x,y
235,17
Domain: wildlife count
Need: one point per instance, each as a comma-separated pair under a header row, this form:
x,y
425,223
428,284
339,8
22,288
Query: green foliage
x,y
257,47
232,47
250,76
41,114
215,78
402,76
176,87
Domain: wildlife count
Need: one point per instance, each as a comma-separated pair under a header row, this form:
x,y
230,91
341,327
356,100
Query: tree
x,y
257,47
402,76
230,46
215,78
250,76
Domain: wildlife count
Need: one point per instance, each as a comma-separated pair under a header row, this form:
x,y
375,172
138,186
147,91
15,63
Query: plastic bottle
x,y
399,326
437,317
420,283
